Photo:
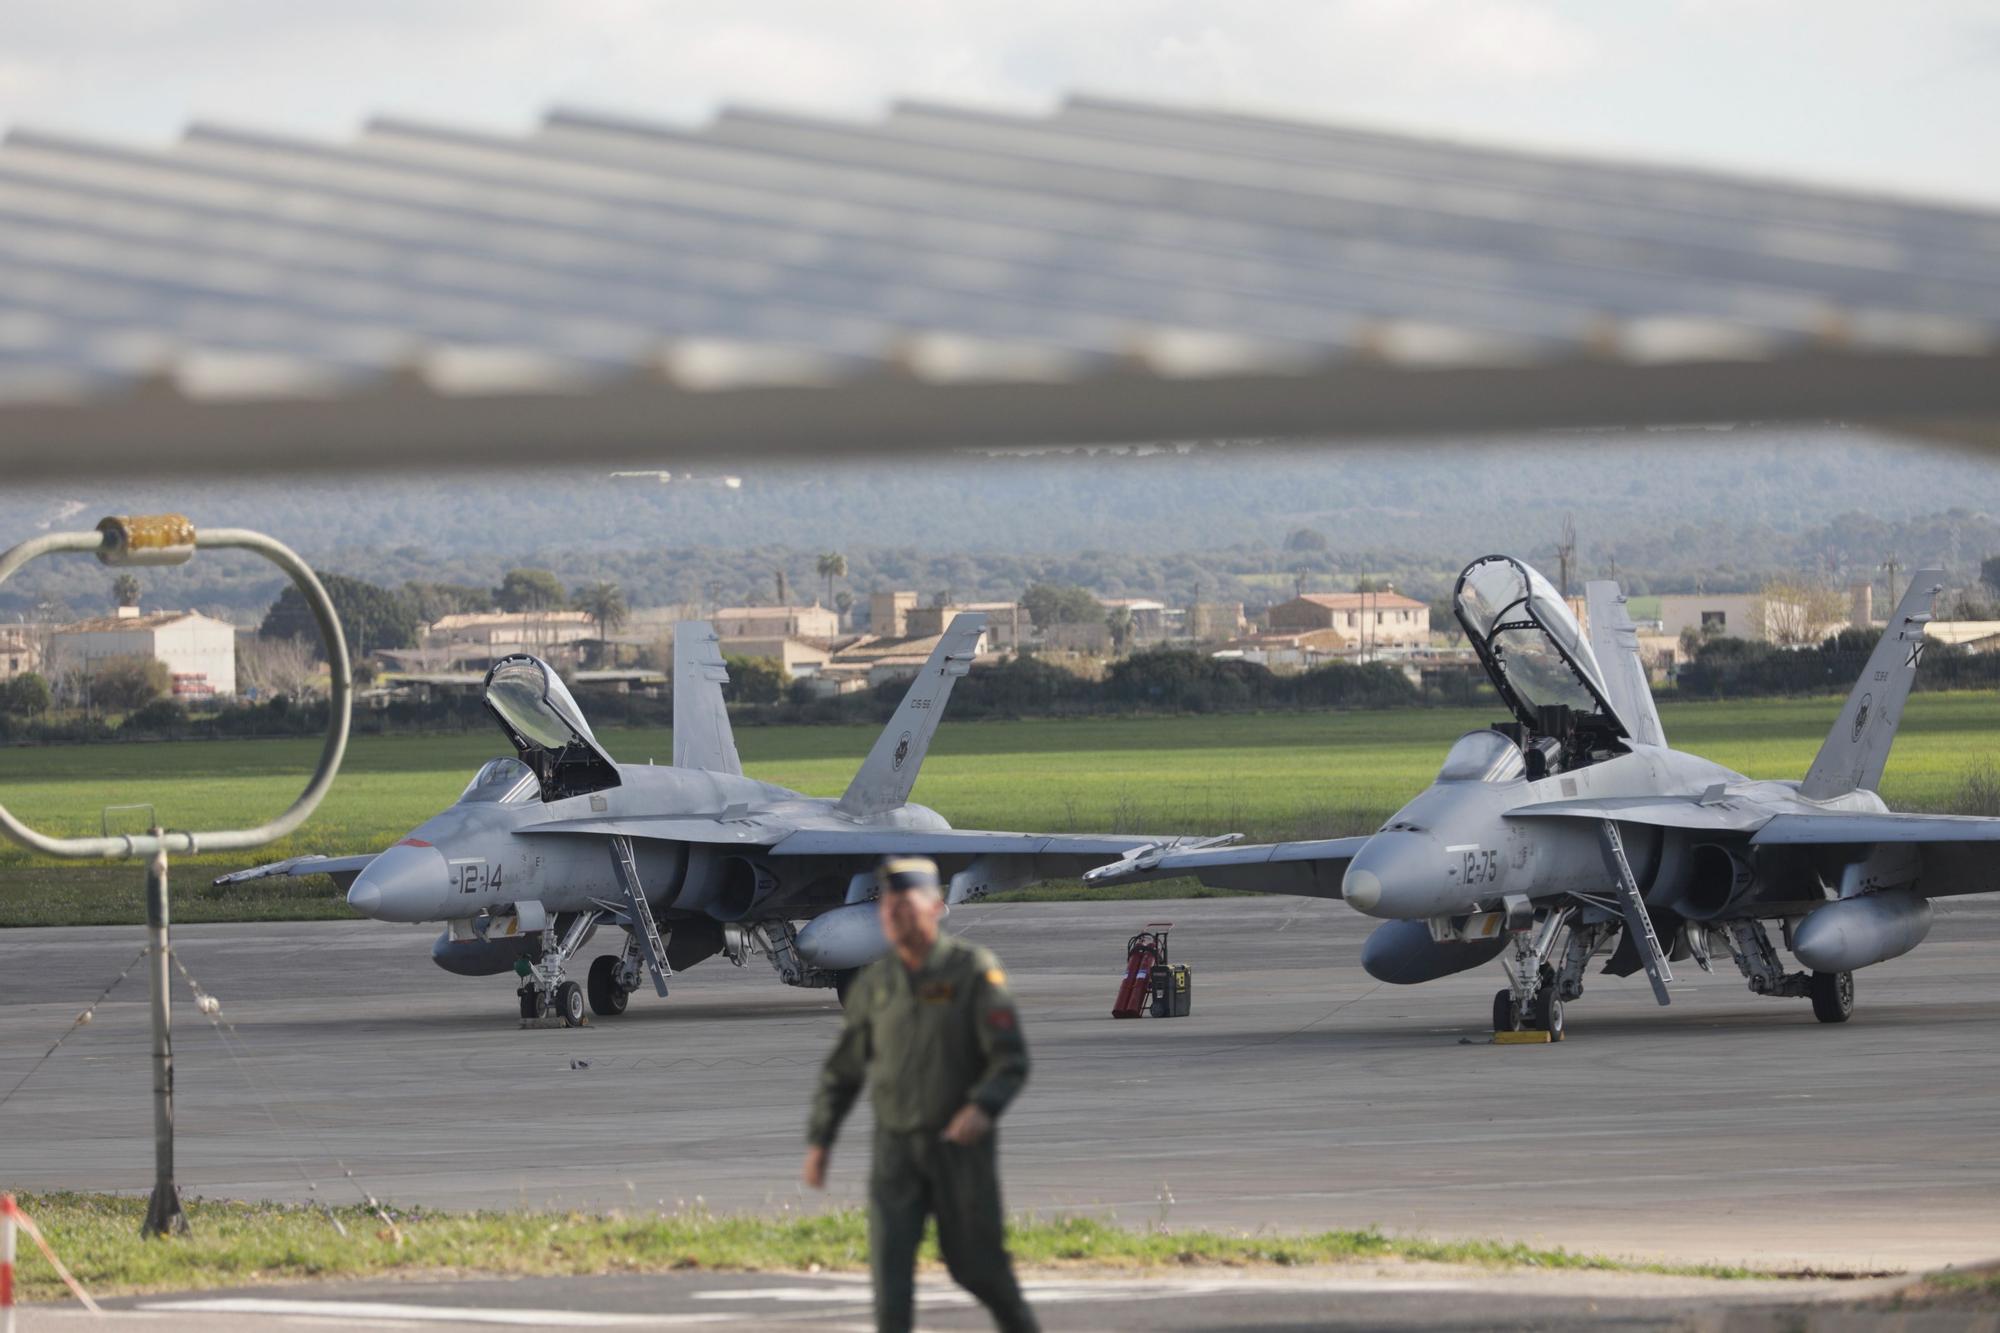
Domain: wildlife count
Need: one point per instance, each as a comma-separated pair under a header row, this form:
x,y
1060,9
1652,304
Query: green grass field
x,y
235,1244
1272,775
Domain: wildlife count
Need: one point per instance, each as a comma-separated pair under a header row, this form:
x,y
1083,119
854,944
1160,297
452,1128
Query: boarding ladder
x,y
1638,921
644,928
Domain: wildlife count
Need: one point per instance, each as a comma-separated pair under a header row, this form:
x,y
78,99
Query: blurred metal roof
x,y
783,285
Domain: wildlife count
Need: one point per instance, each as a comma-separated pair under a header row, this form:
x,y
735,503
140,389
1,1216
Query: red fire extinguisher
x,y
1143,953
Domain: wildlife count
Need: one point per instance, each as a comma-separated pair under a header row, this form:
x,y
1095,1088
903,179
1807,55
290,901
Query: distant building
x,y
872,659
796,658
199,651
1975,636
889,612
1745,615
20,650
1007,623
481,638
1152,620
1299,651
1213,622
1371,619
776,622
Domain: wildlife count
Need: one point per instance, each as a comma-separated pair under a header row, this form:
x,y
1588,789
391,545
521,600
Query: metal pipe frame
x,y
109,545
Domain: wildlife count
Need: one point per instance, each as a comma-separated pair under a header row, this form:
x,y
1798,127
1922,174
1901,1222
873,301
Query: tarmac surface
x,y
1299,1095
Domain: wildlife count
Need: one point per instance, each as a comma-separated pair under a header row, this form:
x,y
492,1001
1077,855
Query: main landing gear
x,y
1831,993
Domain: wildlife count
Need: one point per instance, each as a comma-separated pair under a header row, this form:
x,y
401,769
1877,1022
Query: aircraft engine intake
x,y
1717,879
1403,953
741,884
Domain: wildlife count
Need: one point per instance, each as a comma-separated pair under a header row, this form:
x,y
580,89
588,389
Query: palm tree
x,y
604,603
125,590
779,574
832,565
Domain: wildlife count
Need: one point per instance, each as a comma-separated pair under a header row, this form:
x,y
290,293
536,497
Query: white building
x,y
199,650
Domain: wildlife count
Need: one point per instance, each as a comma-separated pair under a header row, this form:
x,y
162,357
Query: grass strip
x,y
243,1244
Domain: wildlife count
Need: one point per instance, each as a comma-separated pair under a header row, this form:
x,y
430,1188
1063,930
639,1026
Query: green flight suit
x,y
930,1042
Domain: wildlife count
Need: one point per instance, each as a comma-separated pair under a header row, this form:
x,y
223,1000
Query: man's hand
x,y
969,1126
815,1171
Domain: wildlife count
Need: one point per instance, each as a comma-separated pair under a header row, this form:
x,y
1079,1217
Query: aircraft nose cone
x,y
1394,875
409,882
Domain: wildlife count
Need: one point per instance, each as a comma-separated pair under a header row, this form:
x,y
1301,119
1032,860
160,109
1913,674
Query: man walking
x,y
933,1027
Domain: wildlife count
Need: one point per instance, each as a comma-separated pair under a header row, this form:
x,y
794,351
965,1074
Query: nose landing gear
x,y
545,985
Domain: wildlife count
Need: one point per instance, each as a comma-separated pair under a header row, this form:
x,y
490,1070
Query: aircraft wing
x,y
1725,814
1304,869
1054,854
723,828
342,868
1835,827
1956,851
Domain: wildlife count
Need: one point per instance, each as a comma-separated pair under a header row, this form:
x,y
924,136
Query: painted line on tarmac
x,y
442,1314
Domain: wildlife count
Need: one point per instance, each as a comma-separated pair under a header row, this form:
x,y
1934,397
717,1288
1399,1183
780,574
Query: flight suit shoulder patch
x,y
995,977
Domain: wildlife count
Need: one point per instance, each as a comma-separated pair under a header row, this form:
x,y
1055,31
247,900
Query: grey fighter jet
x,y
545,848
1573,827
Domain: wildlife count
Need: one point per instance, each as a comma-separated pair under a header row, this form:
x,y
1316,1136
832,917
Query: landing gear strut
x,y
545,985
1531,1000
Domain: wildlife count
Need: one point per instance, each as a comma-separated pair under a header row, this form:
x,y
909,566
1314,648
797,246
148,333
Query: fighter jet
x,y
1549,837
544,848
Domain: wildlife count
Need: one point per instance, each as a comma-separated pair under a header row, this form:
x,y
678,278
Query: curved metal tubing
x,y
109,542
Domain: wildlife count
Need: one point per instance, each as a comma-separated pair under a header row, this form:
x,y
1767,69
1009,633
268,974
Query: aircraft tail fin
x,y
1857,749
890,771
702,738
1614,642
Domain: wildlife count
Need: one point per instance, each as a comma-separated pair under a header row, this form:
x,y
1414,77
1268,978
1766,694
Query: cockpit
x,y
500,781
1483,756
1536,656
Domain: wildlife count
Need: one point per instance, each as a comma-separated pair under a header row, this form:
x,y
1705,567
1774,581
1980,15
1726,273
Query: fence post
x,y
163,1214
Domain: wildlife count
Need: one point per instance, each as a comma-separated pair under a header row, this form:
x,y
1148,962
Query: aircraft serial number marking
x,y
474,876
1481,866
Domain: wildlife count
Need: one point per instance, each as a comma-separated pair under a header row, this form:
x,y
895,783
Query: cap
x,y
898,873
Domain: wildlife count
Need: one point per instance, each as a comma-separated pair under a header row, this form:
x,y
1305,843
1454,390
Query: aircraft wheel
x,y
843,982
1504,1019
607,997
569,1004
1832,996
531,1003
1546,1013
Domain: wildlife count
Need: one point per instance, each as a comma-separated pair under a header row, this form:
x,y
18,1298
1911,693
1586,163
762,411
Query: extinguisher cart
x,y
1153,982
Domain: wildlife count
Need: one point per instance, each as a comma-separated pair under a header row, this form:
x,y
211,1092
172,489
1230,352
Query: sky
x,y
1897,98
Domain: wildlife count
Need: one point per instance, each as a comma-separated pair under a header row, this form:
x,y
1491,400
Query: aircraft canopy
x,y
1530,644
542,719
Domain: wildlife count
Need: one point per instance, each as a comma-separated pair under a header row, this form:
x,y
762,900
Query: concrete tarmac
x,y
1298,1096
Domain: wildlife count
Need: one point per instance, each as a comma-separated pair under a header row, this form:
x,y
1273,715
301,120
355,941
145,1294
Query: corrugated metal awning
x,y
782,285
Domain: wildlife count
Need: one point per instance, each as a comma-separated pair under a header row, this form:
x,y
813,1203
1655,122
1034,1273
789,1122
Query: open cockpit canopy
x,y
1531,646
538,714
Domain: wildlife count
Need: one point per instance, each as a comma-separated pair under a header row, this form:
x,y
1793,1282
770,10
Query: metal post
x,y
163,1215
